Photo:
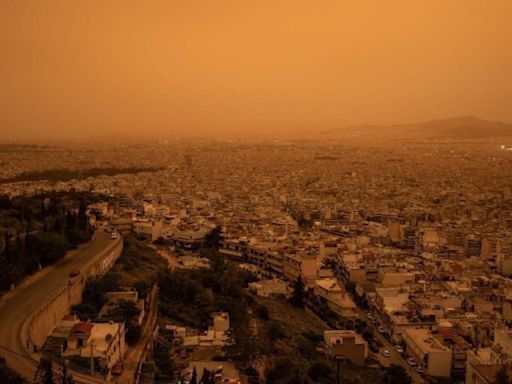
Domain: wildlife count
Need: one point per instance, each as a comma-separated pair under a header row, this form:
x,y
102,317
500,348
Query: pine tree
x,y
193,379
70,220
57,225
48,372
82,217
28,244
298,295
43,208
396,374
502,376
18,240
6,247
67,378
205,378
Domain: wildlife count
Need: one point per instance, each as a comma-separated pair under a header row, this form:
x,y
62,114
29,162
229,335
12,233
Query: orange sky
x,y
215,67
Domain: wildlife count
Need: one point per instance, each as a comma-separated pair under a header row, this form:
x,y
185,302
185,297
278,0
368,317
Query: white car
x,y
114,236
399,349
385,353
381,329
418,369
411,361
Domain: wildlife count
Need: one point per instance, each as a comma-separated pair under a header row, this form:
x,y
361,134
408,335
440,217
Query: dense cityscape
x,y
255,192
273,262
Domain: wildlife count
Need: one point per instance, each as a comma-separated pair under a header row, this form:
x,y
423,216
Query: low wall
x,y
57,306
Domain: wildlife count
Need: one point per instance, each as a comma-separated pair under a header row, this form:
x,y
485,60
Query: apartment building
x,y
346,344
428,351
336,297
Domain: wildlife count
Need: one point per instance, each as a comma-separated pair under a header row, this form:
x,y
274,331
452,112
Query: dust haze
x,y
266,69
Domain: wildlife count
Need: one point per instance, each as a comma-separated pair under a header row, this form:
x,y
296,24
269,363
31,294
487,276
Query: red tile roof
x,y
82,328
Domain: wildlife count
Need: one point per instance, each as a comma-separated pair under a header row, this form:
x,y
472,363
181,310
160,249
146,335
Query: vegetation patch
x,y
62,174
137,268
9,376
39,230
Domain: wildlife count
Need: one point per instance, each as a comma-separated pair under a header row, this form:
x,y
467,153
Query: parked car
x,y
418,369
372,363
114,235
74,272
399,348
429,379
385,353
381,329
411,361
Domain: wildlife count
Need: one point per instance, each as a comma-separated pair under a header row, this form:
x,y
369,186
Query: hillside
x,y
457,128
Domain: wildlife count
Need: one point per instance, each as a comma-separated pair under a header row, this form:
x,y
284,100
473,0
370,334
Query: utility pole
x,y
92,358
119,342
64,369
338,378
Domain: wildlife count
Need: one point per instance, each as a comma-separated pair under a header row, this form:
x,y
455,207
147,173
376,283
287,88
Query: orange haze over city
x,y
72,69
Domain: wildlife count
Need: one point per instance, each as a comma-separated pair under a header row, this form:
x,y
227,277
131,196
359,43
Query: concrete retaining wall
x,y
51,312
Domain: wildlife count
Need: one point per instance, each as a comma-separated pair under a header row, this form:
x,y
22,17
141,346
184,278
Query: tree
x,y
396,374
83,222
67,378
125,311
162,241
320,372
76,237
163,362
282,369
193,379
6,244
7,375
5,201
330,263
298,295
502,376
306,348
262,312
214,237
133,334
43,207
142,287
50,246
274,331
48,371
206,377
246,349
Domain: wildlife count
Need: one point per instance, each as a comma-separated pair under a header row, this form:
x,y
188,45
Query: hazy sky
x,y
88,68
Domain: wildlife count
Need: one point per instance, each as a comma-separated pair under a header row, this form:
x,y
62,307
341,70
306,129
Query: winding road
x,y
17,306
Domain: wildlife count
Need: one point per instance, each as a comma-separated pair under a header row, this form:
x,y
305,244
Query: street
x,y
133,356
395,357
17,306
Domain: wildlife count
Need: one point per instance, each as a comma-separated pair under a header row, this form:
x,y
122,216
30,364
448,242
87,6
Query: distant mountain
x,y
459,128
